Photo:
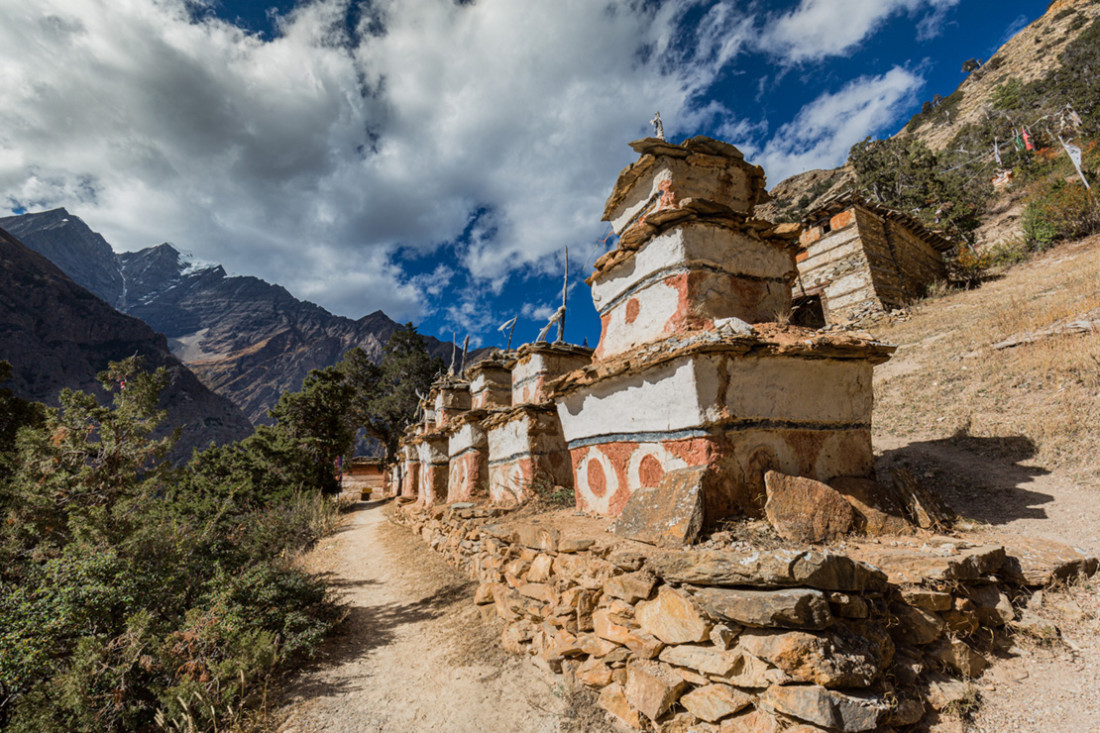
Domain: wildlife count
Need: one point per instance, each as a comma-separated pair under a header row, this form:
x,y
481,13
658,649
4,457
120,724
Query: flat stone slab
x,y
829,708
941,562
1033,561
788,608
670,515
774,569
715,702
703,659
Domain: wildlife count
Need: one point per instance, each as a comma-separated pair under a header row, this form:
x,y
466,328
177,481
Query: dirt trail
x,y
414,654
1003,494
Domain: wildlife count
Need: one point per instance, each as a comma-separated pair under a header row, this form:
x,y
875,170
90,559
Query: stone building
x,y
692,371
526,443
857,259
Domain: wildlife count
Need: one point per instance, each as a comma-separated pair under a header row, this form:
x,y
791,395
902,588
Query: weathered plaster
x,y
526,447
469,462
536,364
490,386
434,468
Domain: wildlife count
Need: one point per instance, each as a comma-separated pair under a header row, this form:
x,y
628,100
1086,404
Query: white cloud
x,y
539,313
820,28
826,128
312,158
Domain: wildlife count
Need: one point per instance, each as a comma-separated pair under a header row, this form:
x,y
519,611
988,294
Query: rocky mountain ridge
x,y
1029,55
57,334
246,339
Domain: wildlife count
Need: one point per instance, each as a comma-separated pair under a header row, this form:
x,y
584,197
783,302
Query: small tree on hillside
x,y
15,413
317,419
904,174
74,464
385,399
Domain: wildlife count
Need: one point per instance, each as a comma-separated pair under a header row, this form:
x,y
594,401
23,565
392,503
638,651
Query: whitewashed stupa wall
x,y
687,278
468,448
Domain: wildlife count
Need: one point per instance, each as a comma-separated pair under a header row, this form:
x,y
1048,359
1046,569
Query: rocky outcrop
x,y
58,335
246,339
69,243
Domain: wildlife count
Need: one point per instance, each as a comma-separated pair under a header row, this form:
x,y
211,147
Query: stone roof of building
x,y
508,414
768,339
849,198
498,360
547,347
651,149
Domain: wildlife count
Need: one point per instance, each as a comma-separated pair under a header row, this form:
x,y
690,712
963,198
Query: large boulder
x,y
804,510
878,510
670,515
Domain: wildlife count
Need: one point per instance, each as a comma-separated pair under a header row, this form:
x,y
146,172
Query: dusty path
x,y
1002,494
414,654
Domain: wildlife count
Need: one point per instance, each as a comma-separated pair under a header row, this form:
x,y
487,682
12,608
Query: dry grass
x,y
947,380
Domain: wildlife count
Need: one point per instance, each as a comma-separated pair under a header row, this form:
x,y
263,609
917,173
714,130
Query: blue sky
x,y
431,158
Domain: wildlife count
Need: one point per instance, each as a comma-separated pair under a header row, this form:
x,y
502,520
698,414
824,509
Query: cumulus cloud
x,y
311,158
820,28
329,157
824,130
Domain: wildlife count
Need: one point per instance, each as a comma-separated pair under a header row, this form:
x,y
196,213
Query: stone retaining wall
x,y
738,640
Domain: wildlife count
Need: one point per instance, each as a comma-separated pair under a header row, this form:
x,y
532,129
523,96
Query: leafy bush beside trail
x,y
132,592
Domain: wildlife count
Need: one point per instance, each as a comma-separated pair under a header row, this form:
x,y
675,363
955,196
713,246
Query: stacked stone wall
x,y
881,251
919,264
837,266
738,640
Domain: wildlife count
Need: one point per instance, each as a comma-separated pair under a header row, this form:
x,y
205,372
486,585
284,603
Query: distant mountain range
x,y
57,334
246,339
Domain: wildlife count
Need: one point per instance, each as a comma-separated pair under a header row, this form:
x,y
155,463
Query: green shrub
x,y
1004,254
1063,211
1008,95
132,591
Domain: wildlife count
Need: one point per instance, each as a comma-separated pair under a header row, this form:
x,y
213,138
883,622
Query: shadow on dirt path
x,y
413,653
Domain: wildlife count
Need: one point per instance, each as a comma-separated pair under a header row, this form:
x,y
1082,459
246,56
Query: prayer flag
x,y
1074,154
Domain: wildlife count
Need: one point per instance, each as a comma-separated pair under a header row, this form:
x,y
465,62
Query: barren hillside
x,y
958,380
1029,55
